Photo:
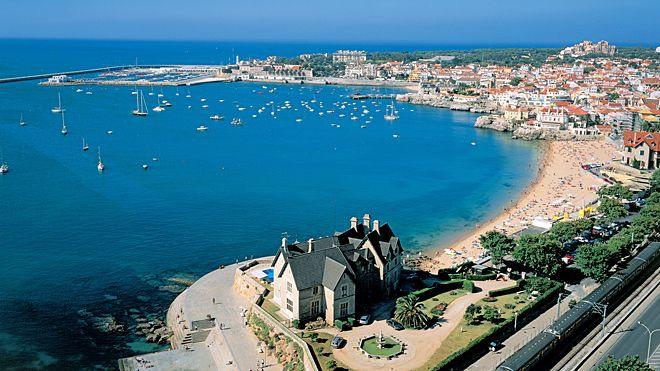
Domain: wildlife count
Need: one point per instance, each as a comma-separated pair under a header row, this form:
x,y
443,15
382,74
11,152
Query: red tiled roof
x,y
635,138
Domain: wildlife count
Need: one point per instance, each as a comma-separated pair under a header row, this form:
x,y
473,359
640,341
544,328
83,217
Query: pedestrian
x,y
213,300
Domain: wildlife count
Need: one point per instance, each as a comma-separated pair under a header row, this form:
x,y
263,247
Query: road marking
x,y
654,361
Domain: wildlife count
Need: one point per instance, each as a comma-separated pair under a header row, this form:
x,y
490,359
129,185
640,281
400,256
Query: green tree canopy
x,y
625,363
612,209
410,312
617,191
655,181
491,314
541,253
472,313
595,260
497,244
566,231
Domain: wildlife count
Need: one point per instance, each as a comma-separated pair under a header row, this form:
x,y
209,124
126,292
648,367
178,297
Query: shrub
x,y
297,324
331,364
505,291
468,286
509,306
341,325
489,299
351,321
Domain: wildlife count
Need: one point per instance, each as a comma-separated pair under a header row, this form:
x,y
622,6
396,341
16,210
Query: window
x,y
289,305
315,290
289,286
343,309
344,290
315,307
641,153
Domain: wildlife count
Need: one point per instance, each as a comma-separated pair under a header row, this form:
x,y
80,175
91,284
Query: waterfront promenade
x,y
234,347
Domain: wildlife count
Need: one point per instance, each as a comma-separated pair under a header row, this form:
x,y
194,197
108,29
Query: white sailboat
x,y
64,130
158,108
21,122
58,108
85,146
140,105
390,112
100,165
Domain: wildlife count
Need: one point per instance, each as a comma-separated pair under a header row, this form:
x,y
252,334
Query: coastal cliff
x,y
499,123
495,122
442,102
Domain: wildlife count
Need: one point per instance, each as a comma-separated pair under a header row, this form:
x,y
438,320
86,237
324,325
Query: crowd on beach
x,y
561,188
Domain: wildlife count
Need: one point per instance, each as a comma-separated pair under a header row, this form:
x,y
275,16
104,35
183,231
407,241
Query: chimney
x,y
354,223
310,245
366,219
377,226
283,242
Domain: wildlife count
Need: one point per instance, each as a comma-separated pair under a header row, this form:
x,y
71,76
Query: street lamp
x,y
648,330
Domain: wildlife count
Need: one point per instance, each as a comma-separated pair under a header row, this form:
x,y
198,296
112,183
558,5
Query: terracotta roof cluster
x,y
635,138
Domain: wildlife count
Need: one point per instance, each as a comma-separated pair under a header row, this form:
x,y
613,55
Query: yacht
x,y
473,143
140,105
158,108
64,131
145,166
216,117
395,136
236,122
100,165
205,106
85,146
167,103
202,128
58,108
21,122
79,90
4,168
390,113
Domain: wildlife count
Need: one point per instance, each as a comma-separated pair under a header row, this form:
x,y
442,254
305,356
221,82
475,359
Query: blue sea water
x,y
72,239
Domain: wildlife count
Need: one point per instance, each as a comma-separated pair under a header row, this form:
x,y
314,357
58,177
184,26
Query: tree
x,y
653,199
410,312
612,209
540,253
539,284
515,81
625,363
472,314
655,181
566,231
498,244
617,191
491,314
594,260
331,364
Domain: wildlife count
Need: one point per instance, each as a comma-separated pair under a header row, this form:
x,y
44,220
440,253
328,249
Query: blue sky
x,y
439,22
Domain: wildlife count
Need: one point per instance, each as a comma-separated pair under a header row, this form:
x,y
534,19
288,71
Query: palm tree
x,y
410,312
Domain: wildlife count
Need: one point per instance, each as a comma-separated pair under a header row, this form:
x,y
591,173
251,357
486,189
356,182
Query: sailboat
x,y
21,122
188,95
390,113
158,108
58,108
100,165
140,105
177,91
64,131
85,147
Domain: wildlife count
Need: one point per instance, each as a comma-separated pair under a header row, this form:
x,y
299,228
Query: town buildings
x,y
349,56
333,277
641,149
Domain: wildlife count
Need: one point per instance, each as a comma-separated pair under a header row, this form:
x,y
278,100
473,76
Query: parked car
x,y
337,342
394,324
364,320
493,346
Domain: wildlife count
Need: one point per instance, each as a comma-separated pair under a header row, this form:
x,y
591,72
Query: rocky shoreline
x,y
440,102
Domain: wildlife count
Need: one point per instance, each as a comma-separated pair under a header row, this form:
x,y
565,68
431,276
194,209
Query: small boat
x,y
205,106
141,106
85,147
100,166
202,100
221,100
166,104
298,120
241,108
363,126
109,132
216,117
58,108
4,168
21,122
145,166
202,128
79,90
391,113
177,91
88,93
236,122
64,131
395,136
473,143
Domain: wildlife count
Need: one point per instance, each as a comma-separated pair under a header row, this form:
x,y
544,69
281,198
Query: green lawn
x,y
272,309
445,297
322,347
390,347
464,333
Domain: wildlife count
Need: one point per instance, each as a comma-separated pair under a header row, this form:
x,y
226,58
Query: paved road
x,y
635,338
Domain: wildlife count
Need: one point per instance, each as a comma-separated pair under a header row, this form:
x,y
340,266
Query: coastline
x,y
560,186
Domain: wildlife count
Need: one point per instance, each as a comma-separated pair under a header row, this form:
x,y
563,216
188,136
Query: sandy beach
x,y
561,186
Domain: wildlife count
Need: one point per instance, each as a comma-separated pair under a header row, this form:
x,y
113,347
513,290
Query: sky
x,y
437,22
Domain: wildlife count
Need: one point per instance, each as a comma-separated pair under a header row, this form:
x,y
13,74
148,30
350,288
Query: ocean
x,y
79,247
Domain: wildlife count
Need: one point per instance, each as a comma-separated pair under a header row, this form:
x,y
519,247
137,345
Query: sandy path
x,y
561,186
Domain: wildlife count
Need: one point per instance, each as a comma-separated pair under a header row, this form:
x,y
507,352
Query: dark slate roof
x,y
309,268
332,273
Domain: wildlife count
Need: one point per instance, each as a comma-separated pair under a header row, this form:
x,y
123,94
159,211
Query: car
x,y
337,342
364,320
394,324
493,346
